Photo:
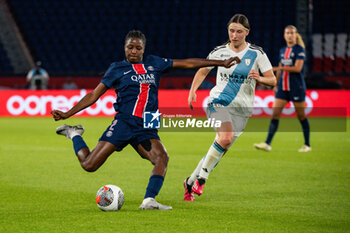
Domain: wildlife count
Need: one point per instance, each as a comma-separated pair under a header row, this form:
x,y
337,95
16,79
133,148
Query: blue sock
x,y
272,130
306,130
155,183
78,143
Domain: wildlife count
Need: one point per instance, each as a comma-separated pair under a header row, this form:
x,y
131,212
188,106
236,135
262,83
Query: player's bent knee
x,y
89,167
226,141
165,158
162,158
276,115
301,117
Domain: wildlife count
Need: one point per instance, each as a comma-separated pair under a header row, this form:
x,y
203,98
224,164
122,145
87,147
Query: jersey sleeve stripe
x,y
254,47
218,48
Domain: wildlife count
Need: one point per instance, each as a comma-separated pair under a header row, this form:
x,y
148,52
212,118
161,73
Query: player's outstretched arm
x,y
197,81
191,63
85,102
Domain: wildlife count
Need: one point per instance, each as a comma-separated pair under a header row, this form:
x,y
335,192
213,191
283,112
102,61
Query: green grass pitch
x,y
44,189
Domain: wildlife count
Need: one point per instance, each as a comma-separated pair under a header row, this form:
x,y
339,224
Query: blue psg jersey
x,y
287,57
136,85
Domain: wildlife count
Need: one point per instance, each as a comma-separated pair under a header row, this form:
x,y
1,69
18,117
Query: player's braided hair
x,y
135,34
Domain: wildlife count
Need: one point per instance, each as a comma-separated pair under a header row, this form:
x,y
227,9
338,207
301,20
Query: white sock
x,y
213,157
195,173
72,134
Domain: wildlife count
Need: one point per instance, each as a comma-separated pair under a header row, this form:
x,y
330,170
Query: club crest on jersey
x,y
247,61
109,133
150,68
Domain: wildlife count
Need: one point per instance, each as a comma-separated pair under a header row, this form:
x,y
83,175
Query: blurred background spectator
x,y
38,78
69,84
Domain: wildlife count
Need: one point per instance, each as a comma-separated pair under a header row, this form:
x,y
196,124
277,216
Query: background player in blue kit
x,y
291,87
136,84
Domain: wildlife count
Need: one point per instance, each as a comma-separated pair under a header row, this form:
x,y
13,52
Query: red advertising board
x,y
40,103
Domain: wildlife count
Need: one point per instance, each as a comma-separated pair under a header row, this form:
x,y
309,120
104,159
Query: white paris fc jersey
x,y
233,87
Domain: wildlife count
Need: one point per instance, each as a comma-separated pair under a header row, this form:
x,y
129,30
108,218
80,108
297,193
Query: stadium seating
x,y
5,66
331,52
331,43
86,36
82,37
317,52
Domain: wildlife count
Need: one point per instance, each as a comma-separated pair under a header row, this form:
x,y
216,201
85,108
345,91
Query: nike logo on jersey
x,y
127,72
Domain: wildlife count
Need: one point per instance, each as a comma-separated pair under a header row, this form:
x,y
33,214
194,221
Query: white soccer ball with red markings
x,y
110,198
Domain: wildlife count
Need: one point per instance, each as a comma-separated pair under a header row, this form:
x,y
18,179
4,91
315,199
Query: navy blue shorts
x,y
295,95
127,129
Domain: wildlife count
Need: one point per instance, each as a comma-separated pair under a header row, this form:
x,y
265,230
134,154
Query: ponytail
x,y
300,40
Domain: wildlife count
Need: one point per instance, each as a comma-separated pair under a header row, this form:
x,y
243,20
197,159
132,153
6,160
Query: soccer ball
x,y
110,198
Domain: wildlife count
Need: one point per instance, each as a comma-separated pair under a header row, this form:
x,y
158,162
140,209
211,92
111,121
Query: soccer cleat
x,y
197,188
263,146
305,148
150,203
189,194
67,130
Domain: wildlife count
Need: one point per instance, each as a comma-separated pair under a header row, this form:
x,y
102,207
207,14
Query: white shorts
x,y
226,114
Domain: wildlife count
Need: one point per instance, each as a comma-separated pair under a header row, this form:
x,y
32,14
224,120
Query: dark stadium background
x,y
80,38
44,189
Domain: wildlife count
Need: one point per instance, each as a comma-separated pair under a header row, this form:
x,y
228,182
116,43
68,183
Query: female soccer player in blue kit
x,y
136,84
232,99
291,87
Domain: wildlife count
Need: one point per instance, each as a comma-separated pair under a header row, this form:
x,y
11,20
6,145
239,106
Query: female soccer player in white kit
x,y
232,99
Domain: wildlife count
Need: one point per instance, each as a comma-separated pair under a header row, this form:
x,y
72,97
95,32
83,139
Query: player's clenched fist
x,y
254,74
58,115
231,62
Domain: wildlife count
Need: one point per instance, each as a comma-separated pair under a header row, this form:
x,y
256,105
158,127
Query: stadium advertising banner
x,y
328,103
